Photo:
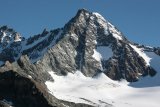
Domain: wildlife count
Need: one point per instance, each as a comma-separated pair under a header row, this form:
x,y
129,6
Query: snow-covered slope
x,y
102,91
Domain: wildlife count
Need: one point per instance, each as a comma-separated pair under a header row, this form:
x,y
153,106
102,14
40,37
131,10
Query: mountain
x,y
87,47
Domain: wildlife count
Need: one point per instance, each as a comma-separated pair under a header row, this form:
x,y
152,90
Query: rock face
x,y
21,91
87,43
87,32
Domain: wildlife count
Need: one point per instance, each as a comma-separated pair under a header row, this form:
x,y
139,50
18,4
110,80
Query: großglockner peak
x,y
81,55
88,43
92,45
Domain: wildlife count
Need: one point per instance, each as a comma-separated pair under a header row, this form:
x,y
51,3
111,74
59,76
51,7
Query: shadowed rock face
x,y
21,91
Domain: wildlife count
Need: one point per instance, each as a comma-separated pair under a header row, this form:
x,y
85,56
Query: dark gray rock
x,y
27,90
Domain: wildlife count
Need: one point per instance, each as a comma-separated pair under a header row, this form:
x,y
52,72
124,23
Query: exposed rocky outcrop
x,y
21,91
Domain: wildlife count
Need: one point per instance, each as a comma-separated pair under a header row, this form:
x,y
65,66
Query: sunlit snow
x,y
101,91
117,36
97,55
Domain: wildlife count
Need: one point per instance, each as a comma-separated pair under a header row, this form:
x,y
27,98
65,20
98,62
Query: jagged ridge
x,y
73,48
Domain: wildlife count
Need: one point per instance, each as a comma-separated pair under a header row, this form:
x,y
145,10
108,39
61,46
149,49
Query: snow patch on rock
x,y
97,55
99,16
142,54
102,53
114,31
117,36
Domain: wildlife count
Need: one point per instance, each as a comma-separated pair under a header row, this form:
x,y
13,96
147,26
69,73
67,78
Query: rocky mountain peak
x,y
92,38
93,22
87,43
82,11
87,46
